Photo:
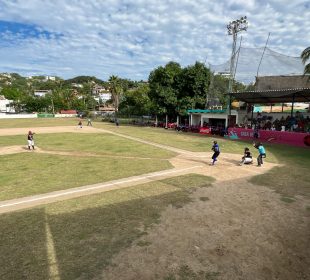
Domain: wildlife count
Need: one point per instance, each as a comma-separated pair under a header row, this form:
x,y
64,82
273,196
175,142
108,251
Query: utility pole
x,y
233,28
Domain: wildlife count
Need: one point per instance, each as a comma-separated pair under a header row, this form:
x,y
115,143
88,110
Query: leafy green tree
x,y
37,104
305,56
136,101
163,88
193,85
15,94
11,93
116,89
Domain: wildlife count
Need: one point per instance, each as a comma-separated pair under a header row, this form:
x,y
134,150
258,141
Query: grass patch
x,y
287,199
183,140
189,141
38,122
293,177
101,143
33,173
85,233
143,243
13,140
185,272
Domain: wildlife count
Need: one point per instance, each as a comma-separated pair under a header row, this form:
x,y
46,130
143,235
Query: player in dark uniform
x,y
216,150
247,157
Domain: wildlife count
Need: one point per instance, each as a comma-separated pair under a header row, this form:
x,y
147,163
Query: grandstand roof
x,y
273,96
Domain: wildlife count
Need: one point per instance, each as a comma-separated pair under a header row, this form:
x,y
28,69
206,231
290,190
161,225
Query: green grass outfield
x,y
33,173
97,143
37,122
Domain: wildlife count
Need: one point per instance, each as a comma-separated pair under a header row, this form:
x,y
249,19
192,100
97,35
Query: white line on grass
x,y
98,187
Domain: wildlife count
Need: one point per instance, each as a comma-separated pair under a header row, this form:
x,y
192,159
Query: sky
x,y
131,38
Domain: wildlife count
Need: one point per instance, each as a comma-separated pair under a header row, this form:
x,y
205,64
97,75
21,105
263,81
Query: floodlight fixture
x,y
237,25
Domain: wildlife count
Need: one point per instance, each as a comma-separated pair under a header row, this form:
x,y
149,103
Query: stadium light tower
x,y
233,28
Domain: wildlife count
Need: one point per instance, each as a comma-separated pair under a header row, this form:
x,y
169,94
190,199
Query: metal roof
x,y
273,96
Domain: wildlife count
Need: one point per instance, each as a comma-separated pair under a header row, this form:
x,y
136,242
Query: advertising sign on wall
x,y
282,137
205,130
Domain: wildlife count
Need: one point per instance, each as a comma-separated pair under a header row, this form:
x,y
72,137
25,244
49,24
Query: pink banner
x,y
205,130
282,137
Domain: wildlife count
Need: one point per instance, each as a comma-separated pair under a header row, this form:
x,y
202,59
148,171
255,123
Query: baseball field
x,y
107,202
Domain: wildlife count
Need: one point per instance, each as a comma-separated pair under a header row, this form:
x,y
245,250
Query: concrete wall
x,y
65,115
31,116
17,116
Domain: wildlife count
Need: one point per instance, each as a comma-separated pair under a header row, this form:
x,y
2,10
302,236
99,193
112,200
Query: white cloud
x,y
130,38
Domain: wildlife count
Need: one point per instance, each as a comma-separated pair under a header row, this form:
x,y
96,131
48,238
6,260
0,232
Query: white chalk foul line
x,y
97,187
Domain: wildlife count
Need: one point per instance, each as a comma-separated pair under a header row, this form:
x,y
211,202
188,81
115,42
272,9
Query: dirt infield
x,y
234,229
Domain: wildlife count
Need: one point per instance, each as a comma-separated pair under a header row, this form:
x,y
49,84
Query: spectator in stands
x,y
299,116
259,118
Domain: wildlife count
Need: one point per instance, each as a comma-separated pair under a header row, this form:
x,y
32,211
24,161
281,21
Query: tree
x,y
116,90
193,84
15,94
136,101
37,104
163,89
305,56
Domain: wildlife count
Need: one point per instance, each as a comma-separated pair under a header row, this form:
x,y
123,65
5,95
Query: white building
x,y
77,85
218,118
41,93
105,96
5,105
97,90
51,78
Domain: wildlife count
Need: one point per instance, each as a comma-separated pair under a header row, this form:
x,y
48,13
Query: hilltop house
x,y
97,89
42,93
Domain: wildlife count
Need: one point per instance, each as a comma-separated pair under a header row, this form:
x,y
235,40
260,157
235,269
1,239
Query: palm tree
x,y
116,90
305,55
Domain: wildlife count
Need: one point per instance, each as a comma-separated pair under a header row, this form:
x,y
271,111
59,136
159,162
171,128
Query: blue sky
x,y
131,38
